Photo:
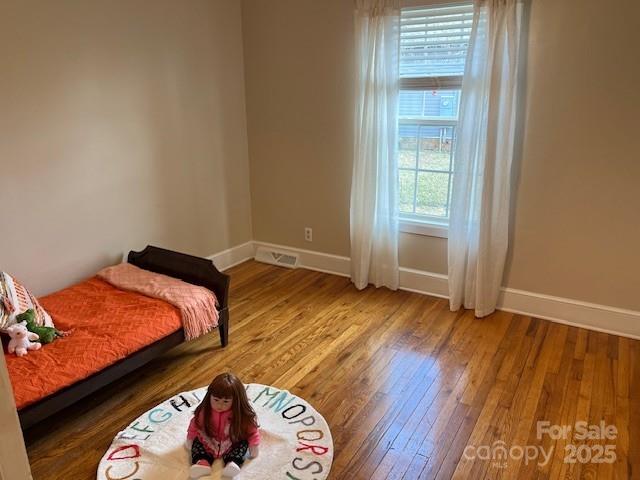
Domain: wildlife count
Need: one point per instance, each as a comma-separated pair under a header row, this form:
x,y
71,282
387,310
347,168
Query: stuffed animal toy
x,y
46,334
21,339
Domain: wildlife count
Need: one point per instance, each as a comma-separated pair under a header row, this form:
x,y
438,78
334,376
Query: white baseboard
x,y
320,262
427,283
233,256
601,318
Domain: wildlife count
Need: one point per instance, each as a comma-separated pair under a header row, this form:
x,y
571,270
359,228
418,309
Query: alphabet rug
x,y
296,442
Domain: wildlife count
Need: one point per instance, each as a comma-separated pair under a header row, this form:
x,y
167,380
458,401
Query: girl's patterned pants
x,y
235,454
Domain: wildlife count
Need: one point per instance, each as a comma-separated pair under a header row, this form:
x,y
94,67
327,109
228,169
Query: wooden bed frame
x,y
195,270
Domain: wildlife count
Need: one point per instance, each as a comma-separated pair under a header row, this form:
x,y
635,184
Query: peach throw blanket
x,y
197,304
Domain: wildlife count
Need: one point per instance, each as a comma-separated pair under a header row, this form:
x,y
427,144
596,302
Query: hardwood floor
x,y
404,383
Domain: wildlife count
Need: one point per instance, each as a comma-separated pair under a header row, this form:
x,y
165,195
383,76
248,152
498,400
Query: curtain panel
x,y
374,203
479,219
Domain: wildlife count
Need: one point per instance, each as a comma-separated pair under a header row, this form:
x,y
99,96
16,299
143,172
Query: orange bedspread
x,y
105,324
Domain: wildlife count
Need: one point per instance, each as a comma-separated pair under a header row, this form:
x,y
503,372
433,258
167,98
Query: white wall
x,y
122,124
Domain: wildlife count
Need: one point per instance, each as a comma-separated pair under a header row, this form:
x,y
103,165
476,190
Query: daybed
x,y
112,332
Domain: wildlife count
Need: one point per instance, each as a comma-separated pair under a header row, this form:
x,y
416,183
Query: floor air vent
x,y
275,257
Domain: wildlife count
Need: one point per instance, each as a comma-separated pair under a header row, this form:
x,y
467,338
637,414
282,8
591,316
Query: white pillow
x,y
16,299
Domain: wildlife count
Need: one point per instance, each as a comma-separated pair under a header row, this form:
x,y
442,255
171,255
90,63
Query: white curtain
x,y
374,205
479,220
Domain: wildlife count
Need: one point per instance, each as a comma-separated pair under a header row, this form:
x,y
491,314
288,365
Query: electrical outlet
x,y
308,234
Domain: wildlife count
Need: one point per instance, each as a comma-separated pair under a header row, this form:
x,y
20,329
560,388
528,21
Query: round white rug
x,y
295,442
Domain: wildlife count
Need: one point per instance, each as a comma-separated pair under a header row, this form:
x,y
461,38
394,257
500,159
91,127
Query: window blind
x,y
433,46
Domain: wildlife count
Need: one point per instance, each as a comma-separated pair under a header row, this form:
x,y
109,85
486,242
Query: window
x,y
433,50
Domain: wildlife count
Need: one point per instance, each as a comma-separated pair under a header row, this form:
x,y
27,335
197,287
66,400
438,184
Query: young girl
x,y
225,426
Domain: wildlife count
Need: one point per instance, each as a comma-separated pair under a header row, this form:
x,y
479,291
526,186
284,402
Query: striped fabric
x,y
16,299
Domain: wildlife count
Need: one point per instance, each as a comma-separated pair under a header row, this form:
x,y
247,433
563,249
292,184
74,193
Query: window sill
x,y
429,229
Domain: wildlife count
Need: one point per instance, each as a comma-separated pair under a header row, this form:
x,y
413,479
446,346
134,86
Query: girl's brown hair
x,y
227,385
